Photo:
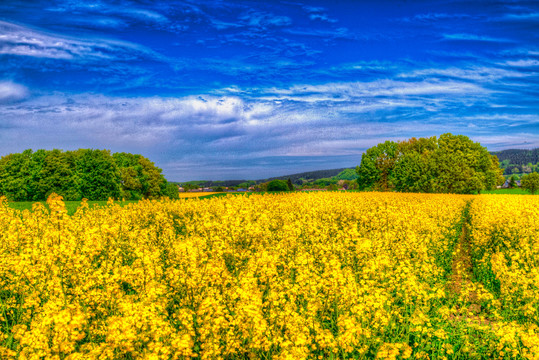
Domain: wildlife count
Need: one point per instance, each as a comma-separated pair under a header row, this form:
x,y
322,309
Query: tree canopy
x,y
530,182
84,173
448,164
278,185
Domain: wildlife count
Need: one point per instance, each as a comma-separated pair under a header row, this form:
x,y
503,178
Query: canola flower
x,y
287,276
505,249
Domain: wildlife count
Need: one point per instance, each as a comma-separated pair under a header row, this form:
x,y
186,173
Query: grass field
x,y
515,191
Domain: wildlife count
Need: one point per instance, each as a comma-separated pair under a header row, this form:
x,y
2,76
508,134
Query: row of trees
x,y
84,173
448,164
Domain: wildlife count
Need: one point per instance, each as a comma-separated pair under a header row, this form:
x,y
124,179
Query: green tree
x,y
99,175
376,166
140,178
130,175
15,176
172,191
347,174
36,165
57,175
530,182
512,181
277,185
95,174
153,182
449,164
290,185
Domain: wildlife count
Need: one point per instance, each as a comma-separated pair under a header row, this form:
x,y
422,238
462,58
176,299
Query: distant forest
x,y
518,161
324,176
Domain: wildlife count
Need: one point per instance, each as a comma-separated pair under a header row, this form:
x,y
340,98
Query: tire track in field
x,y
462,284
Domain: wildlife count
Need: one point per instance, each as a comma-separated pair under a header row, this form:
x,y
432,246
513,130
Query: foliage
x,y
513,181
515,161
171,191
290,185
448,164
530,182
308,176
277,185
518,157
377,164
329,275
98,173
332,187
85,173
347,174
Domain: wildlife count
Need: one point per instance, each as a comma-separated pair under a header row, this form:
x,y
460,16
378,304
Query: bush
x,y
278,185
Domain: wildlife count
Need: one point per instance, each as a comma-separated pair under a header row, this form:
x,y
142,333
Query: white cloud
x,y
471,73
534,16
474,37
24,41
10,92
351,91
239,126
523,63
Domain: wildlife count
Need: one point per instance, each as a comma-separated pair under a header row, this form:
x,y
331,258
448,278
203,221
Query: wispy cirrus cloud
x,y
475,73
523,63
431,17
348,91
474,37
100,8
533,16
25,41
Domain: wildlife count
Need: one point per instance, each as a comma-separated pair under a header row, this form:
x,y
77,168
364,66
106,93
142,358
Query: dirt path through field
x,y
461,284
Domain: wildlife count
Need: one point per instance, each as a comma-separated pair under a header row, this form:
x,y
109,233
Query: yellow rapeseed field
x,y
275,276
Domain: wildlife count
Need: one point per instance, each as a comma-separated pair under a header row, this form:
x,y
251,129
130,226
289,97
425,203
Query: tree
x,y
57,175
99,175
94,174
172,191
449,164
512,181
277,185
290,185
530,182
15,176
347,174
376,166
130,175
153,183
140,178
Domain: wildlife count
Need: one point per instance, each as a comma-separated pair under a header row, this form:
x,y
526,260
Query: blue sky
x,y
251,89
